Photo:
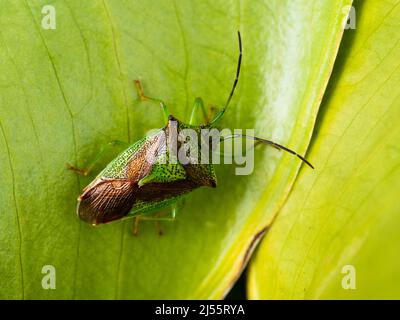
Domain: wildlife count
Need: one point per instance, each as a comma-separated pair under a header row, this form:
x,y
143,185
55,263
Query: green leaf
x,y
347,213
64,93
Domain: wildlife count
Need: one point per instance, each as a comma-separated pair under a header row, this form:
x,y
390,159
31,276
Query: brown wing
x,y
154,192
106,200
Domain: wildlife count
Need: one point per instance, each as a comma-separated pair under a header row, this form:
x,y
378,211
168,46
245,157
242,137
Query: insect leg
x,y
212,111
157,218
143,97
157,224
198,106
135,230
103,151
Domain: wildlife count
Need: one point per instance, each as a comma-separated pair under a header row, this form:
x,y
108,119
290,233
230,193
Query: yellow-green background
x,y
64,93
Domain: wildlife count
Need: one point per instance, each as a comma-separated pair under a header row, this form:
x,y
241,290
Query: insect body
x,y
132,185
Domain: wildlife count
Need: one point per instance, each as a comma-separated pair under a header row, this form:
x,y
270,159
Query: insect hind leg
x,y
157,218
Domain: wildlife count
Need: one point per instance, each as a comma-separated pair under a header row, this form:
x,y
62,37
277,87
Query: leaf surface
x,y
340,225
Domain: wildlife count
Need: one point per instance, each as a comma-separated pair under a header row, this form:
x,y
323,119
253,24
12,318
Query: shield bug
x,y
144,180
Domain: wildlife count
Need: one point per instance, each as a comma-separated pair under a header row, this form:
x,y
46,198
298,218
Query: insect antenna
x,y
235,82
271,143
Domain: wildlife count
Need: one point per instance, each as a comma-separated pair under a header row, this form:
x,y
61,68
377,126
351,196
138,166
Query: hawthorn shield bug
x,y
150,175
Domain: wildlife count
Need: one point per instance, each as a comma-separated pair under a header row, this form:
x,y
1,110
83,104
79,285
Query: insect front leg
x,y
103,152
198,107
143,97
